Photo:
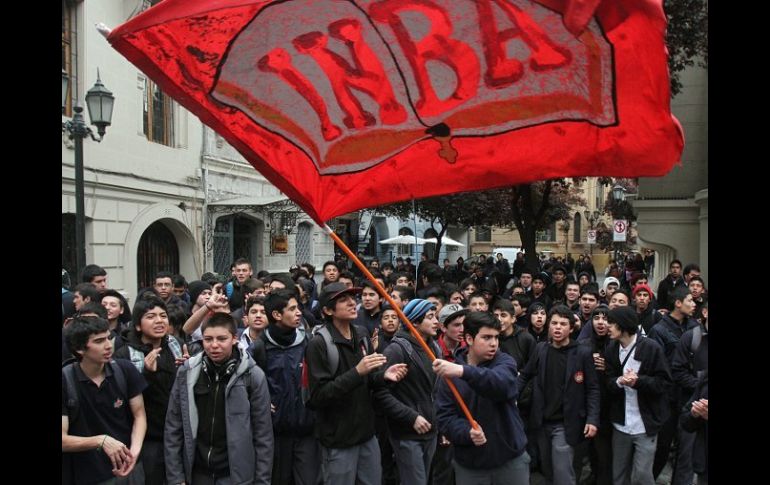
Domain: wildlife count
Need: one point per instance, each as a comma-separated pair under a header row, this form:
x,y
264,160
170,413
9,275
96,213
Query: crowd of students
x,y
273,378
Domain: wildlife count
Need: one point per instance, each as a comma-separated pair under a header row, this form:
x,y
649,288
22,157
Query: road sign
x,y
619,230
591,236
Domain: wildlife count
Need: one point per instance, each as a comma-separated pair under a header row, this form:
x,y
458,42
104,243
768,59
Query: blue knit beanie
x,y
417,308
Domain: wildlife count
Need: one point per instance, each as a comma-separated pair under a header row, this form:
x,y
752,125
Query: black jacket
x,y
159,383
341,399
700,426
403,401
581,392
666,287
685,366
652,387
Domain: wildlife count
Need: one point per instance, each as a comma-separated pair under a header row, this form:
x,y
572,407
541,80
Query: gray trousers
x,y
556,455
632,458
683,473
357,465
203,479
299,458
514,472
413,459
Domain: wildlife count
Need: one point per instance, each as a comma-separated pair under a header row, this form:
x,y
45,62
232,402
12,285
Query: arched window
x,y
577,232
158,251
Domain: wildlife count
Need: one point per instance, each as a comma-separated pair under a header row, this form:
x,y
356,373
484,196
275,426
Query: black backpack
x,y
73,400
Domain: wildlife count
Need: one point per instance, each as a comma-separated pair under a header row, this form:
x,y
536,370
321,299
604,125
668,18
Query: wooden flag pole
x,y
403,318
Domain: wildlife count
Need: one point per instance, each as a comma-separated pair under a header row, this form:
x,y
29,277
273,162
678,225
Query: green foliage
x,y
686,37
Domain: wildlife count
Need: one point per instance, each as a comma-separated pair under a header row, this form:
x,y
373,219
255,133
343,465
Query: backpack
x,y
697,336
73,403
136,356
332,354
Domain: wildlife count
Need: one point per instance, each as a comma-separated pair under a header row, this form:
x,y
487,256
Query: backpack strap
x,y
136,357
697,336
332,353
73,404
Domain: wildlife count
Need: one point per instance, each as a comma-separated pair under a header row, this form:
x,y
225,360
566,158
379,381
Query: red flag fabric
x,y
347,104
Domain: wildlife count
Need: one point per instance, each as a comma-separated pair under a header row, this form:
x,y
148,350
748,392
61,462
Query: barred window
x,y
158,116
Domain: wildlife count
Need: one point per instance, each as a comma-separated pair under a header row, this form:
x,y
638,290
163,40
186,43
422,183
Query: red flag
x,y
347,104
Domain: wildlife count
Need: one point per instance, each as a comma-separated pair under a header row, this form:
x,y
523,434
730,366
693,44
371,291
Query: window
x,y
483,234
430,248
158,115
577,229
599,195
547,234
66,51
157,251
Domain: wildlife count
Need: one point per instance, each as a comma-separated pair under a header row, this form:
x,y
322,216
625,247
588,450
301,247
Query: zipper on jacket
x,y
213,418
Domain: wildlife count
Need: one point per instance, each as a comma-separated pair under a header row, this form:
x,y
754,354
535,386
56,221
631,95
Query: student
x,y
645,310
156,355
255,320
279,351
408,404
514,341
494,452
341,396
565,396
638,381
477,303
96,275
389,325
668,332
103,418
695,419
224,395
600,448
369,312
402,294
537,318
521,304
450,338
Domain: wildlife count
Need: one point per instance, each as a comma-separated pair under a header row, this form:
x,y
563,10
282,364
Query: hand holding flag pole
x,y
403,318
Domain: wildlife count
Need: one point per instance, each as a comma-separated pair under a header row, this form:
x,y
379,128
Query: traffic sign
x,y
619,230
591,236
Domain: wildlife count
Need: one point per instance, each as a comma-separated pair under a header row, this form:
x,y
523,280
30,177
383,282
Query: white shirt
x,y
634,424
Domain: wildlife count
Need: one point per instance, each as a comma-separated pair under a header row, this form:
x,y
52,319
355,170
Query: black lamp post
x,y
100,102
618,195
592,218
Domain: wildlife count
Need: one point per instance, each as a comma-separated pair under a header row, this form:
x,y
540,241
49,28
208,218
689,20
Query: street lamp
x,y
565,227
619,195
100,102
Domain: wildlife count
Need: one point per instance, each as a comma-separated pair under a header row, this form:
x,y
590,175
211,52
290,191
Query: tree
x,y
617,210
686,37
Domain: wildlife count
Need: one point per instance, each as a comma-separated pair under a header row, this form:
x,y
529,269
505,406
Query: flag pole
x,y
352,256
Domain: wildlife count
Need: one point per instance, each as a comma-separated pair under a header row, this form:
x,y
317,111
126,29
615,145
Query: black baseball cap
x,y
332,291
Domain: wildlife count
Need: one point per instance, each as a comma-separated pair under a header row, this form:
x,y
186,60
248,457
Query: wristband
x,y
101,445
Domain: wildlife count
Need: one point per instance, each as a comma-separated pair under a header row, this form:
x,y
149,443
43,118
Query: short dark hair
x,y
404,292
476,294
252,284
437,293
697,278
331,263
691,267
92,307
384,266
77,333
144,304
162,274
309,268
432,272
276,301
177,316
253,300
503,305
524,300
87,290
90,272
403,274
561,311
219,319
347,275
241,261
475,321
467,282
676,261
591,289
679,294
178,280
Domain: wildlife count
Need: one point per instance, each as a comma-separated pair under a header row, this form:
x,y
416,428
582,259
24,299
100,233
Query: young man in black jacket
x,y
565,396
408,405
341,394
638,381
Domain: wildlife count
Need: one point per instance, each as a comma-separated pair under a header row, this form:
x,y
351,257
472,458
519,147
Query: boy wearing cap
x,y
450,338
645,310
408,405
486,380
341,396
637,381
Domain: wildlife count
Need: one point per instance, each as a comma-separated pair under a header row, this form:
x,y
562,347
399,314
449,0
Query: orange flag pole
x,y
403,318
